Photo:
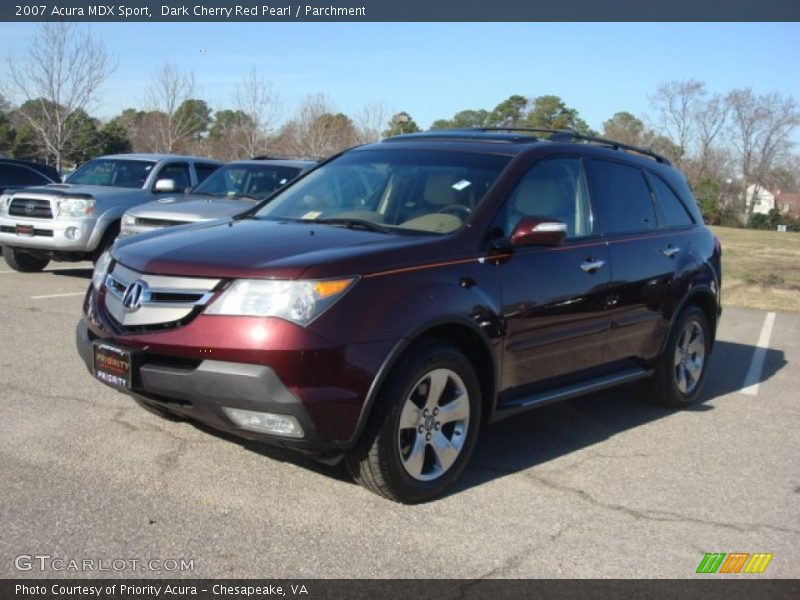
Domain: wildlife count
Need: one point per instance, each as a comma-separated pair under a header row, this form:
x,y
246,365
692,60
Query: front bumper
x,y
199,389
50,234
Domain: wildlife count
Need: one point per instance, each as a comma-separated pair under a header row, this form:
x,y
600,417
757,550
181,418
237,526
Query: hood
x,y
267,249
68,189
192,208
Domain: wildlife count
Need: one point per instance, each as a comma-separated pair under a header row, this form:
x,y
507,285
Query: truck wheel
x,y
423,426
24,262
681,370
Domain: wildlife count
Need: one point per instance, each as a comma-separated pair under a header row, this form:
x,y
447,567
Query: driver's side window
x,y
552,188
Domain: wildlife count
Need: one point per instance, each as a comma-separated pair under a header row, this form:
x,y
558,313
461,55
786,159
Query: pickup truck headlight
x,y
75,207
5,202
296,301
100,270
128,220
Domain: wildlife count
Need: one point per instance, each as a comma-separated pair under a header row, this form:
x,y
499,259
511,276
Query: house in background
x,y
760,198
788,203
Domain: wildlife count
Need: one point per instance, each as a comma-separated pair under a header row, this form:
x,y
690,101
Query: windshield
x,y
426,191
254,181
113,173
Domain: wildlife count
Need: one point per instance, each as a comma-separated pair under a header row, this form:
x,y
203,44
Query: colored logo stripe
x,y
713,562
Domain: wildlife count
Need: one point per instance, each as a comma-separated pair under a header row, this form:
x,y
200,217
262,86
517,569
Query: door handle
x,y
591,266
670,251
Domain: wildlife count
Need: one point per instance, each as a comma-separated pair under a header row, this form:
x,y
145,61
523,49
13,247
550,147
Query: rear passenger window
x,y
622,197
203,170
674,210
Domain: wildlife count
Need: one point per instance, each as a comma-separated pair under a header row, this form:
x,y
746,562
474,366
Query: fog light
x,y
73,233
264,422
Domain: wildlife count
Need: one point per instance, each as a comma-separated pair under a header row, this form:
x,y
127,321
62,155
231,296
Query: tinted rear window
x,y
674,209
622,197
14,175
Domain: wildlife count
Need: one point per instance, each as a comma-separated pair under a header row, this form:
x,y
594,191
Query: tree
x,y
550,112
168,91
624,127
61,74
85,142
710,118
257,99
760,129
195,115
401,123
7,131
509,113
464,119
316,131
676,103
113,139
229,136
369,122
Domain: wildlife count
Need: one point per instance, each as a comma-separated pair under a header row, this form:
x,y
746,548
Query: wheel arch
x,y
462,334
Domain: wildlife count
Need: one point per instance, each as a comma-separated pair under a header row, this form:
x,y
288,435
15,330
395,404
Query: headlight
x,y
5,201
128,220
75,207
100,270
296,301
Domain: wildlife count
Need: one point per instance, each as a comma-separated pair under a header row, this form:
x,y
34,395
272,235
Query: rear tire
x,y
681,370
422,428
24,262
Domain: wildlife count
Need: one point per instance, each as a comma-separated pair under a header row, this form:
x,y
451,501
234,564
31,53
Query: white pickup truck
x,y
79,219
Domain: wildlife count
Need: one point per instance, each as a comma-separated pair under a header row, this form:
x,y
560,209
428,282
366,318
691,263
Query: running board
x,y
572,390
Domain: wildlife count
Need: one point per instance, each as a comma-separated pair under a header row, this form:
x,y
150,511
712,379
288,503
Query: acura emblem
x,y
30,207
135,294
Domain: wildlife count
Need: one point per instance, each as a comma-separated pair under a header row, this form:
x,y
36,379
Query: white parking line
x,y
57,295
750,386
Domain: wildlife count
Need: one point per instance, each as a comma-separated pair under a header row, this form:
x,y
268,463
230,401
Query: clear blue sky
x,y
432,70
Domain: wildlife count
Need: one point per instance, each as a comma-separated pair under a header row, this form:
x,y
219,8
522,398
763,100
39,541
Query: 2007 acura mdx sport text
x,y
390,302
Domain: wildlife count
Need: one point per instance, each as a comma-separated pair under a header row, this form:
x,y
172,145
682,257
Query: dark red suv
x,y
390,302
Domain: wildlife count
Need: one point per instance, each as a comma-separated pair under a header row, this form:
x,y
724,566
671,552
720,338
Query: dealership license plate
x,y
24,229
112,365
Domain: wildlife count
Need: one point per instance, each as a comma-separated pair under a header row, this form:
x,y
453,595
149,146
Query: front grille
x,y
39,232
148,222
30,207
137,302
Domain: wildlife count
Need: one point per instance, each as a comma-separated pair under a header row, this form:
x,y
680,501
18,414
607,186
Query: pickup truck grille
x,y
30,207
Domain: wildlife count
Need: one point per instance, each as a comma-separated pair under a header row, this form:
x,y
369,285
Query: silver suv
x,y
79,219
231,190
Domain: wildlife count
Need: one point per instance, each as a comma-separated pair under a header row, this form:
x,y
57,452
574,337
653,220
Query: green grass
x,y
760,269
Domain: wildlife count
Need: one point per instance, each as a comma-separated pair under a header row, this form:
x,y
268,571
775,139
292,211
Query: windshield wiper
x,y
351,224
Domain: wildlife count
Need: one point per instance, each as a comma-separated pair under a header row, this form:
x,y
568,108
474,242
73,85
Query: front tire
x,y
24,262
423,427
681,370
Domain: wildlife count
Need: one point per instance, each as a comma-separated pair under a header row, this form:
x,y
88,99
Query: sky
x,y
432,70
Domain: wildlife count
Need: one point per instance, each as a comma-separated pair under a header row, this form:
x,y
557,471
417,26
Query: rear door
x,y
643,252
554,298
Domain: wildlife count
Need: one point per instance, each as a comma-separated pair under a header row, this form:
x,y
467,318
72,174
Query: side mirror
x,y
165,186
539,231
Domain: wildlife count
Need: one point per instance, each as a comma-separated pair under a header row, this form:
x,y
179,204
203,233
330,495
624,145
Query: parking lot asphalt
x,y
602,486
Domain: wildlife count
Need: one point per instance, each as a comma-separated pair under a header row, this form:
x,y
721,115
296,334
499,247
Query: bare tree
x,y
370,122
258,100
61,74
168,90
676,103
760,129
316,132
710,118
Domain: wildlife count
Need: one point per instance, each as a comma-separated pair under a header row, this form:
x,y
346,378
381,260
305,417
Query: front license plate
x,y
24,229
112,365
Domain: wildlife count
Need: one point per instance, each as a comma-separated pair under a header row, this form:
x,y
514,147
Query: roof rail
x,y
570,135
